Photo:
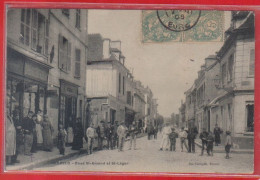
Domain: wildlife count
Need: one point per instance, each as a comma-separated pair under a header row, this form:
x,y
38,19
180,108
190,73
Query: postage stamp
x,y
182,26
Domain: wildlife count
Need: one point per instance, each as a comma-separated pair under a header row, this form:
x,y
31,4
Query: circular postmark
x,y
178,20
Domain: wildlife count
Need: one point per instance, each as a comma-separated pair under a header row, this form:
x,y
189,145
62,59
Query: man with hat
x,y
172,136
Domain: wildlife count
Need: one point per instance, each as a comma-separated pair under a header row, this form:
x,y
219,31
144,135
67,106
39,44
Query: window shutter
x,y
252,63
60,51
77,63
46,42
34,29
69,57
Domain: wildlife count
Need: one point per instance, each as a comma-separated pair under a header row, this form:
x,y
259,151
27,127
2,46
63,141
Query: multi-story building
x,y
182,121
109,82
46,62
233,109
190,106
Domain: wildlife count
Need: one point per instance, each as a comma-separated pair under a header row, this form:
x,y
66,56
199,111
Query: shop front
x,y
26,84
68,103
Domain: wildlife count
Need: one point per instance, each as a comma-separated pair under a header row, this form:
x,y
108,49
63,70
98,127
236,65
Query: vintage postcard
x,y
94,90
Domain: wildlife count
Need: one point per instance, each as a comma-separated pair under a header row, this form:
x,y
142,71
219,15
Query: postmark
x,y
182,26
178,20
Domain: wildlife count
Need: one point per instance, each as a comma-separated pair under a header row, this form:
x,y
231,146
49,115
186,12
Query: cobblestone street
x,y
148,158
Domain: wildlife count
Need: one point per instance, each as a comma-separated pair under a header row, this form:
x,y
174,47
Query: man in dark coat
x,y
203,137
217,132
28,126
78,135
150,130
109,135
192,133
115,136
101,131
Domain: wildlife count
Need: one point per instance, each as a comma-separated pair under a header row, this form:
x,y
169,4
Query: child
x,y
203,137
228,144
172,136
210,141
61,139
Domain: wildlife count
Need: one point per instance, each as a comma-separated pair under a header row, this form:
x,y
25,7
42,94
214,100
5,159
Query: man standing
x,y
183,136
121,132
133,132
109,135
172,136
217,132
101,134
10,137
192,133
115,136
150,130
28,126
165,137
203,137
90,133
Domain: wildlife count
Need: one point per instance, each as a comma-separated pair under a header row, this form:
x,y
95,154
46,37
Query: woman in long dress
x,y
47,131
78,135
38,129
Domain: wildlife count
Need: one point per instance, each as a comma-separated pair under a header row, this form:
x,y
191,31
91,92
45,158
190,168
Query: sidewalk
x,y
221,149
41,158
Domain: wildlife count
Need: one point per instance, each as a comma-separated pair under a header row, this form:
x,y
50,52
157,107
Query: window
x,y
128,97
123,85
25,26
250,117
34,30
77,18
230,67
77,63
252,63
119,83
66,12
223,74
64,54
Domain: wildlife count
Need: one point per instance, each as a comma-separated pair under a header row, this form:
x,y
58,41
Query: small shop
x,y
26,84
68,103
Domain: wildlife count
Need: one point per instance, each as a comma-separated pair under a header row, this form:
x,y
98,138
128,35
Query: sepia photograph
x,y
131,91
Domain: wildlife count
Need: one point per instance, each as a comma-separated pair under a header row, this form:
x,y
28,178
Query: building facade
x,y
46,59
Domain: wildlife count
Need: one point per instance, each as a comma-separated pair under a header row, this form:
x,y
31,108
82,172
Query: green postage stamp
x,y
182,26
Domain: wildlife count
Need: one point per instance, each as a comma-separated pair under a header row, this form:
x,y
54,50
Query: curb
x,y
236,151
50,160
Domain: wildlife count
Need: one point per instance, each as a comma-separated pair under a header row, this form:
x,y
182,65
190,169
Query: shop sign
x,y
35,71
68,89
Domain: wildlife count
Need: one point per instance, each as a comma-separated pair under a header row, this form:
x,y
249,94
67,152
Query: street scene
x,y
130,90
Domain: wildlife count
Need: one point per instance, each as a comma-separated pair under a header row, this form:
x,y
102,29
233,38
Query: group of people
x,y
114,135
27,136
169,136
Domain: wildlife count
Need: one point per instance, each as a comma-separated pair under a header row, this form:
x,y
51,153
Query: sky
x,y
164,67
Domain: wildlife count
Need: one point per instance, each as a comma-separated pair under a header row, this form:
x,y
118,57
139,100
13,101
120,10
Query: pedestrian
x,y
90,133
101,134
217,133
34,144
172,136
61,139
183,136
165,137
28,126
78,135
155,132
203,136
69,139
47,131
109,135
210,141
10,138
150,130
38,128
228,144
115,135
192,133
133,133
121,132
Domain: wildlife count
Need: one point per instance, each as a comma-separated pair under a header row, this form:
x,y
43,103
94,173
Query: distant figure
x,y
165,137
47,131
38,128
78,135
115,136
155,132
61,139
109,135
121,132
28,126
210,142
133,132
217,132
70,135
228,144
183,136
192,133
150,130
101,130
203,136
172,136
90,133
34,144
